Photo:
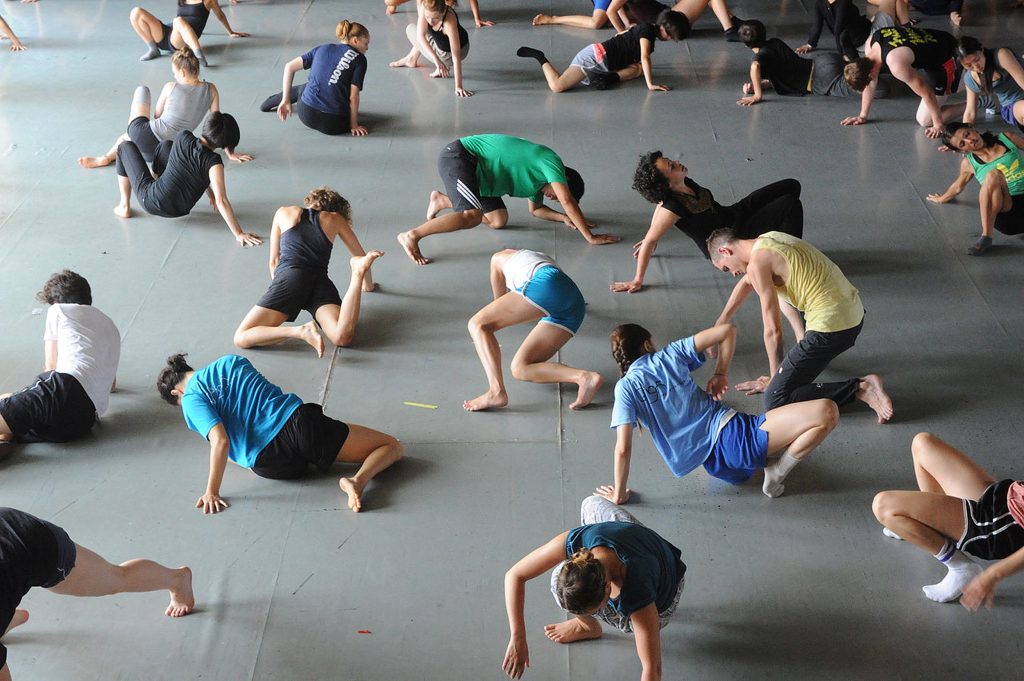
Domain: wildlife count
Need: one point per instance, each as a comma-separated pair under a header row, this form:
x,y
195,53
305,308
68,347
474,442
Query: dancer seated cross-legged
x,y
611,569
528,285
690,427
36,553
300,251
960,512
250,421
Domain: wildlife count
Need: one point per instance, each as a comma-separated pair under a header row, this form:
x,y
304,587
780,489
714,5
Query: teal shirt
x,y
513,166
1009,164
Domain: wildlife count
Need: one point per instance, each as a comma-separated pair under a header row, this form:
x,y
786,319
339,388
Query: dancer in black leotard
x,y
438,36
300,251
185,29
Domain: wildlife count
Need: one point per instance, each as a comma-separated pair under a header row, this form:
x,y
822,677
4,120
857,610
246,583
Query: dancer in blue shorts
x,y
691,427
543,292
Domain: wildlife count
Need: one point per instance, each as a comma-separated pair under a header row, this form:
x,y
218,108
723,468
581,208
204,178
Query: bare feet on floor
x,y
412,248
572,630
872,393
311,334
182,599
20,617
486,401
354,491
438,202
436,73
122,211
589,386
94,161
360,264
406,62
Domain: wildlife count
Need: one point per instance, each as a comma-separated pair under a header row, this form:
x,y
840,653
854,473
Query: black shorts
x,y
990,532
165,40
308,438
55,408
944,79
295,289
457,168
67,554
140,132
1012,221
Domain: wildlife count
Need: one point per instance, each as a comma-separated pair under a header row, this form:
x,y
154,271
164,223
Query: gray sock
x,y
202,58
152,53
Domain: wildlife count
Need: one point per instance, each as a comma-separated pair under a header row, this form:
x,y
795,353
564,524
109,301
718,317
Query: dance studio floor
x,y
290,584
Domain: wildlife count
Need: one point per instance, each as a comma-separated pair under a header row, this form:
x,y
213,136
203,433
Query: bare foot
x,y
589,386
873,394
311,335
541,19
354,492
391,9
572,630
20,617
956,18
405,62
94,161
182,599
438,202
360,264
486,401
412,248
436,73
122,211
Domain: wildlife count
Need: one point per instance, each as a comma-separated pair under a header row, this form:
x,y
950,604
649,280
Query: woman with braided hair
x,y
691,427
612,569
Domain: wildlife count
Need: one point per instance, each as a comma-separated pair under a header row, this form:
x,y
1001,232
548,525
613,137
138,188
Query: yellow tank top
x,y
816,286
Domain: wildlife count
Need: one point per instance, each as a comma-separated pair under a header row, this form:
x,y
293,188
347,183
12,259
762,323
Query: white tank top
x,y
520,266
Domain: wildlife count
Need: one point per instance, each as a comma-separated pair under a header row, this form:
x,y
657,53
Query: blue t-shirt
x,y
653,566
334,68
658,392
231,391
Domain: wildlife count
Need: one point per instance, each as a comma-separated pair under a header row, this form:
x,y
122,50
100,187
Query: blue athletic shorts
x,y
556,294
602,4
741,449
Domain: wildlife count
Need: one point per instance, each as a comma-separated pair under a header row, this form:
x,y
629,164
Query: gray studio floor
x,y
804,586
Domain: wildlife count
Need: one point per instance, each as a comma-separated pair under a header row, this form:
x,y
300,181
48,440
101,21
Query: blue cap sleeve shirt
x,y
653,565
231,391
658,392
333,69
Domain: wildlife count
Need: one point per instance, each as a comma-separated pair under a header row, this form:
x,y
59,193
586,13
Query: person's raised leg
x,y
182,33
451,222
94,576
508,310
531,363
941,468
375,450
150,29
597,20
798,429
263,326
339,322
439,201
140,106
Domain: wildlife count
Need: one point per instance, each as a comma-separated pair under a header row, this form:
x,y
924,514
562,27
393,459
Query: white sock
x,y
890,534
961,571
775,473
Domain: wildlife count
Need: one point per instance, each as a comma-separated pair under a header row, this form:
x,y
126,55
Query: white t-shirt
x,y
519,267
88,348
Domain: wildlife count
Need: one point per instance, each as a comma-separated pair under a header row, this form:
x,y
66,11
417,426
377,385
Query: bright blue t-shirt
x,y
653,566
658,392
334,68
231,391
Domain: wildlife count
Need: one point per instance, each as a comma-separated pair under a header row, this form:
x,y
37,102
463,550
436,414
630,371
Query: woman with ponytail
x,y
329,100
249,420
994,79
691,427
611,569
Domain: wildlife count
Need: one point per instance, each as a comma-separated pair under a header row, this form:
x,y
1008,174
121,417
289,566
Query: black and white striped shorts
x,y
990,532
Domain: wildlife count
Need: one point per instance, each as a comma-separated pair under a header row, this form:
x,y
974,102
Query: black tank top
x,y
699,215
305,245
931,48
195,16
441,40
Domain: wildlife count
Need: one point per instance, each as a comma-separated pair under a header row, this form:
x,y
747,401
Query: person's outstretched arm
x,y
756,93
647,630
819,21
760,275
615,17
284,109
646,47
912,78
959,184
220,200
740,292
214,7
535,563
662,221
215,106
353,107
16,45
971,107
480,23
575,216
211,501
451,29
982,589
618,493
722,336
275,239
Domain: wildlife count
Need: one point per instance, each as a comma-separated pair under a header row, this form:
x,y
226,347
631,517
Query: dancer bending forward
x,y
960,509
543,292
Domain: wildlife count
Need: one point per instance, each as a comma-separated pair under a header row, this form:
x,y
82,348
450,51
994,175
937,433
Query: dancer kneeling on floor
x,y
623,14
439,37
528,285
690,427
82,347
184,170
249,420
960,509
623,57
612,569
329,101
36,553
300,251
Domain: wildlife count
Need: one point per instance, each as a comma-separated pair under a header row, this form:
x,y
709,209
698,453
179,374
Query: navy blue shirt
x,y
333,68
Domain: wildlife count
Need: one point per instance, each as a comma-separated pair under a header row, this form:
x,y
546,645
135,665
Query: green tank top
x,y
815,286
1009,164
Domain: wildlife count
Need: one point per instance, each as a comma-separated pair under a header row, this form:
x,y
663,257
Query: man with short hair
x,y
776,265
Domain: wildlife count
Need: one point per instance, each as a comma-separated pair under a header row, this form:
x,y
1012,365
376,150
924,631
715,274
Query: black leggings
x,y
328,124
774,207
132,165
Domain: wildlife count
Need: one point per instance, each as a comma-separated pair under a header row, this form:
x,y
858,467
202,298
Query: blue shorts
x,y
602,4
557,296
1007,113
741,449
